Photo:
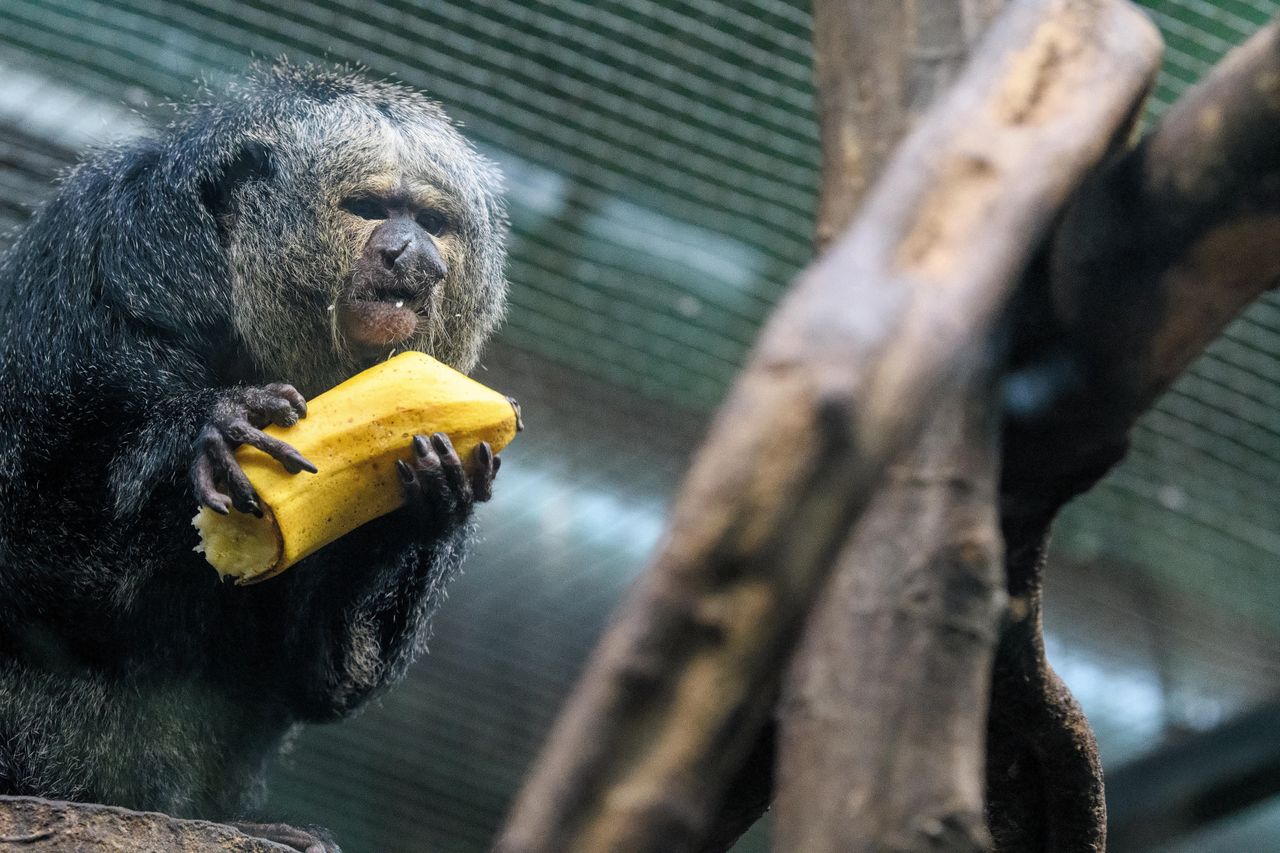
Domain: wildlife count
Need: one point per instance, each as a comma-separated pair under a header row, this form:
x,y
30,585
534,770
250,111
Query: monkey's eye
x,y
366,207
432,221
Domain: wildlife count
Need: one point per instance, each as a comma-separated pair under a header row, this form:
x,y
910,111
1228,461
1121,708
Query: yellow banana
x,y
354,434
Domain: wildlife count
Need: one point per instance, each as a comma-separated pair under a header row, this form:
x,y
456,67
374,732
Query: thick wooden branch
x,y
878,64
839,382
883,722
884,713
48,826
1158,252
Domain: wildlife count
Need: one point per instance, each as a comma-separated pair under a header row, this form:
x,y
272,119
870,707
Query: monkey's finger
x,y
425,455
482,472
426,461
241,432
425,484
281,412
223,467
243,497
266,405
432,483
207,493
451,465
295,399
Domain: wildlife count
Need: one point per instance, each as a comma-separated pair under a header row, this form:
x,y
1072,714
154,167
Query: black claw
x,y
406,473
245,502
442,444
482,474
300,463
420,446
497,463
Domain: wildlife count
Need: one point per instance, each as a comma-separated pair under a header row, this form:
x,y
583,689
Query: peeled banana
x,y
354,434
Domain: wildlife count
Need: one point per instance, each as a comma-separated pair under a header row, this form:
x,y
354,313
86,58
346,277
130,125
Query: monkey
x,y
176,295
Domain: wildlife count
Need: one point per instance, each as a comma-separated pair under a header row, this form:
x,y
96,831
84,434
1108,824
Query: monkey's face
x,y
397,282
376,228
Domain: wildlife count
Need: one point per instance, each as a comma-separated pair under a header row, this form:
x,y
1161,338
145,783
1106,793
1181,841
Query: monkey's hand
x,y
238,418
437,487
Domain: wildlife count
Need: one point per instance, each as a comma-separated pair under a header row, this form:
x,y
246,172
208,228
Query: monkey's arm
x,y
88,450
94,494
368,597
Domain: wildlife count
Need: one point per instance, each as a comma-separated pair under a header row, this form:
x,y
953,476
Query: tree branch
x,y
883,721
49,826
1157,253
839,382
885,706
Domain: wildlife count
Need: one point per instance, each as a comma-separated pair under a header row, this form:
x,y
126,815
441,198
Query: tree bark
x,y
883,718
1156,254
49,826
878,64
839,382
884,708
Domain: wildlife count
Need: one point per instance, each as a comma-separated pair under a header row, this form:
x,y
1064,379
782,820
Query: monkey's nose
x,y
391,254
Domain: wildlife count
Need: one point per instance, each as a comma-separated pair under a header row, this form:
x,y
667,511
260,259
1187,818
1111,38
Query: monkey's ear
x,y
253,161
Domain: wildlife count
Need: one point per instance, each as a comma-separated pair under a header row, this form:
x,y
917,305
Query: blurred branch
x,y
885,704
49,826
884,718
878,64
1156,254
1195,780
841,379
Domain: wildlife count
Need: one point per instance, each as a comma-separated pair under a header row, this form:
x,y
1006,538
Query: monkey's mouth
x,y
381,317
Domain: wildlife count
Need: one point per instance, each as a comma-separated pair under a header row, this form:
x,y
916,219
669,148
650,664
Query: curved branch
x,y
840,380
1156,254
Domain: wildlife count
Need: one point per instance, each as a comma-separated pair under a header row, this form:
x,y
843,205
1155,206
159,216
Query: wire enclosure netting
x,y
661,159
662,163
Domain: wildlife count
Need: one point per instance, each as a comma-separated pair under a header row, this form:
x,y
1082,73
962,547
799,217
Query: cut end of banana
x,y
238,545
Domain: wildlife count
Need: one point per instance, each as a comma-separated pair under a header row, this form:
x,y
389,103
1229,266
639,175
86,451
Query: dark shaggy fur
x,y
165,274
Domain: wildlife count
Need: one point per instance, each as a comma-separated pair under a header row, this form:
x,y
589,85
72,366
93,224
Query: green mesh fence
x,y
661,160
1197,500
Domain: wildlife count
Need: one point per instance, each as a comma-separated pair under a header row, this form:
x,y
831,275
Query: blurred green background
x,y
661,160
